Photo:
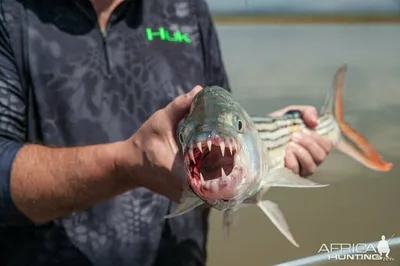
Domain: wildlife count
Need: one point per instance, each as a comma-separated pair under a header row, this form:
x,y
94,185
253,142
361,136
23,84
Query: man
x,y
383,247
77,79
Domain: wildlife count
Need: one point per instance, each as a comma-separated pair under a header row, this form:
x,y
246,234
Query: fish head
x,y
221,149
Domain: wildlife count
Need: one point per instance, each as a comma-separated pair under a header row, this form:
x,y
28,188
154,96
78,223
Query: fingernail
x,y
296,148
296,136
190,93
293,145
306,131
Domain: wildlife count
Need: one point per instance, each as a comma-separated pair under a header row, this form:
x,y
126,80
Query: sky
x,y
317,6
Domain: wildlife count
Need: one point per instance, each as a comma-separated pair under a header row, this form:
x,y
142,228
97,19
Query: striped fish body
x,y
276,133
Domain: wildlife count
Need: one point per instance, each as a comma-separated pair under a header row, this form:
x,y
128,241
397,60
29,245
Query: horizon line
x,y
303,18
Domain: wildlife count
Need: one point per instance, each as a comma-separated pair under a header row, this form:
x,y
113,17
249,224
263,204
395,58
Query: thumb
x,y
178,108
310,116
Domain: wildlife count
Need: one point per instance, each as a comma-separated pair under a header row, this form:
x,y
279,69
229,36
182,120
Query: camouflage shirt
x,y
64,82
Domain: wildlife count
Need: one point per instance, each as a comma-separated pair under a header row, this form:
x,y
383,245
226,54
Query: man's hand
x,y
161,166
308,149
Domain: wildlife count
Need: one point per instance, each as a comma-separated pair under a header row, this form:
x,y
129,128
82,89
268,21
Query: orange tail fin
x,y
351,142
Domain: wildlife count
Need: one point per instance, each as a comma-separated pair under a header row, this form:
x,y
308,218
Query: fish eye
x,y
181,137
240,125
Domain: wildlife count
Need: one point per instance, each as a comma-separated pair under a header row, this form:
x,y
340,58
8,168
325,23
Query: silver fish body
x,y
232,158
219,134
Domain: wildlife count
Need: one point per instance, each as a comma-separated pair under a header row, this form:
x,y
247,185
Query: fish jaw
x,y
215,168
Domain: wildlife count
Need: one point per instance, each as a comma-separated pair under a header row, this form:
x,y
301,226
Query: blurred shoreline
x,y
304,19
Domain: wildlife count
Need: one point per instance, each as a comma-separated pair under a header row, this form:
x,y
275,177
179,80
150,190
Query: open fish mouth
x,y
213,165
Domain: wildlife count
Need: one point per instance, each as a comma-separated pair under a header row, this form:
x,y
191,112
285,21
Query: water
x,y
305,6
271,66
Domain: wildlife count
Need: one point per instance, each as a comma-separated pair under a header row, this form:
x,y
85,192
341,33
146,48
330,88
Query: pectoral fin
x,y
273,212
256,198
284,177
189,201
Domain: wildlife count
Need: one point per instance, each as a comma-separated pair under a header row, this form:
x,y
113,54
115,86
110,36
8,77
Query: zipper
x,y
106,51
103,33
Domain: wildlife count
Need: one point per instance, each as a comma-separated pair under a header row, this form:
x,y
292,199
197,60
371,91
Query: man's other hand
x,y
308,150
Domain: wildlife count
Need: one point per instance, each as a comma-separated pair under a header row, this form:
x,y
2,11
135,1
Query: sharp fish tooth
x,y
222,172
207,185
202,179
209,144
234,145
192,155
230,148
224,177
222,146
199,146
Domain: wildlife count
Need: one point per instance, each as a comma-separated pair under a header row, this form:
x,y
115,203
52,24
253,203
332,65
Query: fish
x,y
232,158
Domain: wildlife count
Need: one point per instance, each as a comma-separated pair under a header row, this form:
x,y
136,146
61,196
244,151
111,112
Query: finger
x,y
308,113
322,141
291,161
282,111
317,153
194,91
310,116
306,162
178,108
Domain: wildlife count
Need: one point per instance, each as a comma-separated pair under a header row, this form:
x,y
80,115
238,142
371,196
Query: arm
x,y
39,183
47,183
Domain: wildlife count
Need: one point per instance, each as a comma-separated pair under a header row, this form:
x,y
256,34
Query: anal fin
x,y
273,212
188,202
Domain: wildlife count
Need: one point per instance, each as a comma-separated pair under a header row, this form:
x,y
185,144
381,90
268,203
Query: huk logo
x,y
164,35
359,251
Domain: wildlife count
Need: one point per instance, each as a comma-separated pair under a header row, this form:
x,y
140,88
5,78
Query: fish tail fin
x,y
350,141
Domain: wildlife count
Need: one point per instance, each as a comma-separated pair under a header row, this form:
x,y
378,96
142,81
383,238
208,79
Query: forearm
x,y
47,183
